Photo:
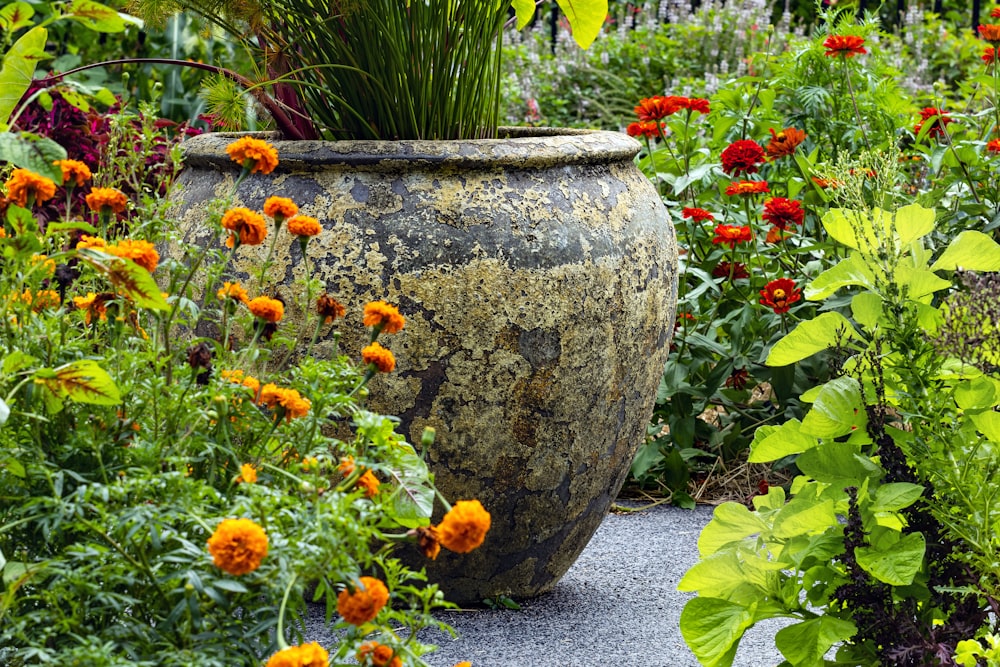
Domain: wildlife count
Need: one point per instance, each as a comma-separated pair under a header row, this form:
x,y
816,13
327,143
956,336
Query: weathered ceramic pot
x,y
537,274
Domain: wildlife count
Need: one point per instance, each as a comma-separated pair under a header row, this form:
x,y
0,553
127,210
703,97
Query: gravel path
x,y
617,606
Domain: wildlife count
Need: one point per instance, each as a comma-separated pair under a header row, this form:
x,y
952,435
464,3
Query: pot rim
x,y
518,147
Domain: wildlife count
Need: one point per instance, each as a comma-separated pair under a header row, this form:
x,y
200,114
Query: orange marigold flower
x,y
106,200
378,655
280,208
329,308
464,527
747,188
3,232
364,602
844,45
248,474
74,172
290,400
783,213
267,309
254,154
742,156
645,128
780,294
381,358
990,32
384,317
236,377
697,214
93,304
305,655
784,142
232,291
238,546
48,265
142,253
42,299
993,146
304,225
248,225
24,185
369,482
91,242
732,234
428,541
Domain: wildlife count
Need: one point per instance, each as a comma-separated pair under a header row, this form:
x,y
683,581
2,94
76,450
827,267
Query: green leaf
x,y
977,394
804,644
809,337
837,410
913,222
896,496
15,16
847,272
988,424
771,444
77,225
19,68
836,462
916,283
84,381
712,629
852,229
730,522
586,18
525,10
970,250
804,516
95,16
130,278
413,498
866,307
898,564
716,576
33,153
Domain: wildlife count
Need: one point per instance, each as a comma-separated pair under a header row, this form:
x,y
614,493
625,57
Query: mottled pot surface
x,y
538,278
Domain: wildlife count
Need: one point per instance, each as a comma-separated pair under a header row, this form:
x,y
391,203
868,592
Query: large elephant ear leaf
x,y
18,68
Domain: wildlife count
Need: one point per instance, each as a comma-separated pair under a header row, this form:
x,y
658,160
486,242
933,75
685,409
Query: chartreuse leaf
x,y
915,283
130,278
18,68
835,462
896,496
524,10
837,409
912,222
970,250
716,576
712,629
859,231
15,16
804,516
866,307
988,423
772,443
811,336
847,272
33,153
898,564
95,16
804,644
84,381
975,394
586,18
730,522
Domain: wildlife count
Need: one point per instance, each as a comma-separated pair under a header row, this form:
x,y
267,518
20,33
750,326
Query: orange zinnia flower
x,y
747,188
378,655
379,357
990,32
280,208
384,317
825,182
24,185
939,119
464,527
238,546
784,143
253,154
844,45
329,308
657,108
74,172
732,234
304,225
248,225
697,214
742,156
364,603
232,291
248,474
267,309
645,128
724,269
106,200
304,655
142,253
780,294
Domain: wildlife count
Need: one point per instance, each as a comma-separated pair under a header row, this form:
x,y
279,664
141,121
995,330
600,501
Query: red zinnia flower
x,y
780,294
940,117
989,55
738,270
657,108
844,45
743,155
747,188
696,104
697,214
731,235
647,128
993,146
783,213
990,32
995,13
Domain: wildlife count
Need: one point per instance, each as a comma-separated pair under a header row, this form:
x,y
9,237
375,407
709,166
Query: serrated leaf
x,y
18,69
730,522
413,498
95,16
779,442
33,153
84,381
712,629
898,564
970,250
896,496
128,277
847,272
809,337
804,644
586,18
837,410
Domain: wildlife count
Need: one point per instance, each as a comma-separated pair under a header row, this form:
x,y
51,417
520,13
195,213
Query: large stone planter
x,y
538,278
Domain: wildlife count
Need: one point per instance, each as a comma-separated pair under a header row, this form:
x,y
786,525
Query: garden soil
x,y
618,606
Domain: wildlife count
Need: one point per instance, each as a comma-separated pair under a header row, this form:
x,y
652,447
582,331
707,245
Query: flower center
x,y
779,293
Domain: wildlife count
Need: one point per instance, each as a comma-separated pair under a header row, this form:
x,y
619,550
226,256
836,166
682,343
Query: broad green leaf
x,y
847,272
95,16
775,499
809,337
780,441
15,16
128,277
804,644
730,522
836,462
525,10
866,307
837,410
17,361
976,394
857,230
915,283
84,381
896,496
712,629
970,250
988,424
898,564
413,498
913,222
33,153
716,576
586,18
18,69
804,516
